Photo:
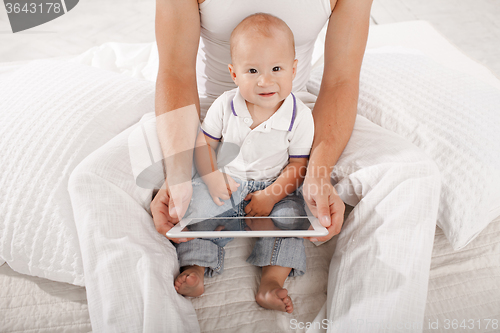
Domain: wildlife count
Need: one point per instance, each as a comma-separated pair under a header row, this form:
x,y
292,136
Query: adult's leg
x,y
379,272
129,267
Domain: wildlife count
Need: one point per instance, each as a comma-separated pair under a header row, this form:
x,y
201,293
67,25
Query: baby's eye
x,y
252,70
276,69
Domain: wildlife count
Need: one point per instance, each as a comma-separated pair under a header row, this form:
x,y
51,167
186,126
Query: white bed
x,y
464,285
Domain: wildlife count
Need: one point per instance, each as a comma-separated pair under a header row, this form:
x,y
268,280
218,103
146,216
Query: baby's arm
x,y
219,185
205,158
262,202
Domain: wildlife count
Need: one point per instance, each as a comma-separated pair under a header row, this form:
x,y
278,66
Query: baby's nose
x,y
265,80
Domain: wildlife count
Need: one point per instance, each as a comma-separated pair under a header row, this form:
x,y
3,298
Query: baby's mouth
x,y
267,94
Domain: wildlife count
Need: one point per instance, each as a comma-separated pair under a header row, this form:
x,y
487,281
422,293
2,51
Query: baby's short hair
x,y
263,24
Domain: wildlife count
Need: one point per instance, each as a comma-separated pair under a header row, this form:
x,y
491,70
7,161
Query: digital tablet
x,y
296,226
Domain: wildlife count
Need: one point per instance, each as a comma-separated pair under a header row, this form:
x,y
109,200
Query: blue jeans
x,y
209,252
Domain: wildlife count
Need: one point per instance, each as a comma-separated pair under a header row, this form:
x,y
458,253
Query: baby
x,y
274,132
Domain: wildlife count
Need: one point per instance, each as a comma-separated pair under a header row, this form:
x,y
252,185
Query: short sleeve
x,y
302,135
213,122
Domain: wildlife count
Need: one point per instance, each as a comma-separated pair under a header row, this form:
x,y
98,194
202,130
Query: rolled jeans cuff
x,y
202,252
282,251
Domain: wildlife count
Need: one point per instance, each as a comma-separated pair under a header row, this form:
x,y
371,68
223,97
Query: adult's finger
x,y
337,208
162,223
323,209
161,198
179,240
159,210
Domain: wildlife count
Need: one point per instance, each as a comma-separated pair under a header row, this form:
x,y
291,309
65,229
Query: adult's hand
x,y
169,206
325,204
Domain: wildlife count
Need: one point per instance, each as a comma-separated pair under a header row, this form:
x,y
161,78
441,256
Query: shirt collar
x,y
283,119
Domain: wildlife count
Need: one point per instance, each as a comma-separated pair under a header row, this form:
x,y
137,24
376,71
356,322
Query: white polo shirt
x,y
261,153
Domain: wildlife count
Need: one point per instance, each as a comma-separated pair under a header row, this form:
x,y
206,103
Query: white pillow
x,y
453,117
52,115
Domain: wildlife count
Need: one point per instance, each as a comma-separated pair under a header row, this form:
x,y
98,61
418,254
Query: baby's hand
x,y
260,204
218,188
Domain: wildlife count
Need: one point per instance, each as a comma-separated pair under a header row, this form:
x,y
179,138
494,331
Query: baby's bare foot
x,y
190,281
273,298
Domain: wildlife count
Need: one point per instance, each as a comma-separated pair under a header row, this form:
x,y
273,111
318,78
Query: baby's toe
x,y
289,305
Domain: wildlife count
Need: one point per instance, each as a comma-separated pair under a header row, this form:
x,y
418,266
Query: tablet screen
x,y
249,224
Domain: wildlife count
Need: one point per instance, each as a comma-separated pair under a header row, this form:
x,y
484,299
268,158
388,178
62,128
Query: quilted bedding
x,y
463,285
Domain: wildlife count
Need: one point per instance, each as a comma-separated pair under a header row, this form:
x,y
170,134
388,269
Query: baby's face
x,y
264,68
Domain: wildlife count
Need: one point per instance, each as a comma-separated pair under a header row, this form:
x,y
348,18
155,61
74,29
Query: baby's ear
x,y
295,62
233,73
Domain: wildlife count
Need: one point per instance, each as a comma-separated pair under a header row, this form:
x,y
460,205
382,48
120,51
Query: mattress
x,y
464,286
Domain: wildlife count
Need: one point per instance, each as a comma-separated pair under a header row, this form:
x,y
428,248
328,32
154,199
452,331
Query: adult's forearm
x,y
175,89
177,122
334,116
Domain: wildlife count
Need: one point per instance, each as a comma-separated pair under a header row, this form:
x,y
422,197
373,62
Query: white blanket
x,y
52,115
452,116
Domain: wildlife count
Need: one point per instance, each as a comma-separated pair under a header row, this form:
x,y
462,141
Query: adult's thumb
x,y
323,209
